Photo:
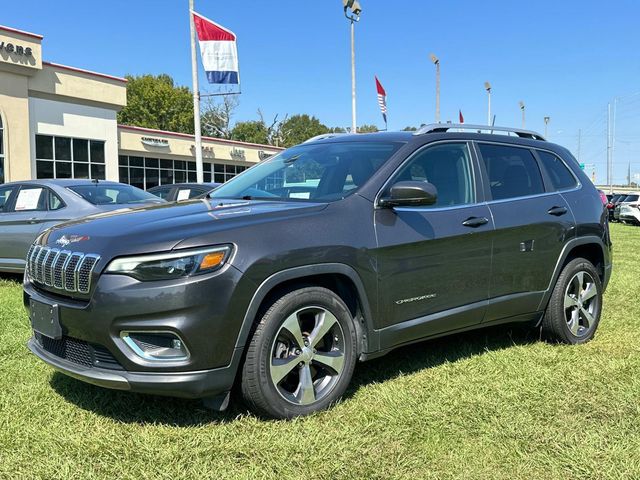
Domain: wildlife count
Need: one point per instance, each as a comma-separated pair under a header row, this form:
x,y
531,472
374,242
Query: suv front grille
x,y
61,269
79,352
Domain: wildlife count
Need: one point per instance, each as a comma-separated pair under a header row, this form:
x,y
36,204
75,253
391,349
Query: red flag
x,y
461,117
382,99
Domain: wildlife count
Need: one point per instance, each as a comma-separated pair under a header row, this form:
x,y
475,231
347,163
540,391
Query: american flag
x,y
382,99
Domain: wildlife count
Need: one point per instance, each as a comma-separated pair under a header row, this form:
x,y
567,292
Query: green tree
x,y
409,129
367,128
298,128
253,131
154,101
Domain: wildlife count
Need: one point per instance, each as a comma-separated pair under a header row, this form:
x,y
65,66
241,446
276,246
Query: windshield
x,y
324,172
101,194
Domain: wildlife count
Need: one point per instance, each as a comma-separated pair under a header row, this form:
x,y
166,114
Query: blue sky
x,y
566,59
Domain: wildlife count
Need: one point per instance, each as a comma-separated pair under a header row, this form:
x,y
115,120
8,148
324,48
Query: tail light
x,y
603,197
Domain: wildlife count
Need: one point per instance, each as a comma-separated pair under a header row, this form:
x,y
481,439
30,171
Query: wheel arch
x,y
590,247
340,278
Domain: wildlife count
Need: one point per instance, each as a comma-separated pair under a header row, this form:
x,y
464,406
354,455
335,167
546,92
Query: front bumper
x,y
199,310
205,383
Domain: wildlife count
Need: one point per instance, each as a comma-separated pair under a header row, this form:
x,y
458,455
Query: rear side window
x,y
513,172
561,177
632,198
31,199
54,201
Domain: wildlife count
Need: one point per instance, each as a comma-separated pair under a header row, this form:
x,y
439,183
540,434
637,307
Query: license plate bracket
x,y
45,319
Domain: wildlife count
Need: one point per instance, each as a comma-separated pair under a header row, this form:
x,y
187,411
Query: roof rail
x,y
323,136
443,127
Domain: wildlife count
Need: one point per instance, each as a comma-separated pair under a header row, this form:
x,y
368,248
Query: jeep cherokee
x,y
336,250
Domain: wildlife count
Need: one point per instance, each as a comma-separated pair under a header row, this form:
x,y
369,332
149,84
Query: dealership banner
x,y
218,49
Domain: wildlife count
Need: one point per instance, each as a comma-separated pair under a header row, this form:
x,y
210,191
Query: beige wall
x,y
183,147
14,61
14,110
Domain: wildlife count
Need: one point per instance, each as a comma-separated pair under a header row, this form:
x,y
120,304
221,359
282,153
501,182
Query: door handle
x,y
475,222
557,211
33,220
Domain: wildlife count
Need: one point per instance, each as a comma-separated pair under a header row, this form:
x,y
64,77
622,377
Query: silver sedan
x,y
28,208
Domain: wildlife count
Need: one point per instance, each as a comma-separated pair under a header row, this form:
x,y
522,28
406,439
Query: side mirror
x,y
410,193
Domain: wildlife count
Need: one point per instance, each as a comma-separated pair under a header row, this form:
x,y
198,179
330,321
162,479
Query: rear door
x,y
434,262
532,224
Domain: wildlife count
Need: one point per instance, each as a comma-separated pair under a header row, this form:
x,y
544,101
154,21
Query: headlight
x,y
166,266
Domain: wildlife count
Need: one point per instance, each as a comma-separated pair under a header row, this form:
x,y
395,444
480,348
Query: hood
x,y
161,227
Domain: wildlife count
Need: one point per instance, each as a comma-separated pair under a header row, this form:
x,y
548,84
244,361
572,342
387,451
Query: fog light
x,y
156,346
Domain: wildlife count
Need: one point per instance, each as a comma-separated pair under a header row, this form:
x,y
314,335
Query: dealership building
x,y
58,121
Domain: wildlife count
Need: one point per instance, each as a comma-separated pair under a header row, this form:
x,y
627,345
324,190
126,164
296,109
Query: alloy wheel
x,y
581,303
307,355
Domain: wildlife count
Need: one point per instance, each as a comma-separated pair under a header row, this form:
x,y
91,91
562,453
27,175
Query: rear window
x,y
98,194
632,198
513,172
560,176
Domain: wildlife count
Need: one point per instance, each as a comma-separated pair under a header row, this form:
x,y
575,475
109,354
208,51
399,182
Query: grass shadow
x,y
11,277
130,407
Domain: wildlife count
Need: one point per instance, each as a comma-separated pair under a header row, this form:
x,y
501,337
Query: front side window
x,y
100,194
310,172
560,176
448,168
513,171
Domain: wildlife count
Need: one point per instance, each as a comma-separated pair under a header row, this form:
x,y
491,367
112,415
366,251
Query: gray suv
x,y
337,250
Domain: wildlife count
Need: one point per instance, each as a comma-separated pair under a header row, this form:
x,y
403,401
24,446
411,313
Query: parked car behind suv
x,y
629,198
182,191
29,207
405,236
630,212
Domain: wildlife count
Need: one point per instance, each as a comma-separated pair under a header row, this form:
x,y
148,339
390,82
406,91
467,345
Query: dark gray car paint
x,y
388,255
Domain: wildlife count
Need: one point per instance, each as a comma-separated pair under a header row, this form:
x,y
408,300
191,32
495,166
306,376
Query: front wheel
x,y
573,313
302,354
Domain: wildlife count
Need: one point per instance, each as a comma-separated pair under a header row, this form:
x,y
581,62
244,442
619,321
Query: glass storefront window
x,y
65,157
148,172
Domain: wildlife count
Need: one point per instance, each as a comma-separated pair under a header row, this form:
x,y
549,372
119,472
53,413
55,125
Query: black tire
x,y
273,350
571,317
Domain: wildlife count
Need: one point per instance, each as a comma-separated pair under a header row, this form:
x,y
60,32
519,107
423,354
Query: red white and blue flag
x,y
382,99
218,49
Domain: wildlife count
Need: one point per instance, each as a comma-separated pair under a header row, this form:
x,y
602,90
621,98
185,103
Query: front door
x,y
434,263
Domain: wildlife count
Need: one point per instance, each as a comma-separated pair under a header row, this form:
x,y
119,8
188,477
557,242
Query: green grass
x,y
490,404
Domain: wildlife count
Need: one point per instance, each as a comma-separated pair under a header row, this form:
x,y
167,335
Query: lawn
x,y
491,404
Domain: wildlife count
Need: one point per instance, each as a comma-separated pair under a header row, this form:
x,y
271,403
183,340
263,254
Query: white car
x,y
630,212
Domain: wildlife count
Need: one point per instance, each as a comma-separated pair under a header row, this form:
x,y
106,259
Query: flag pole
x,y
196,98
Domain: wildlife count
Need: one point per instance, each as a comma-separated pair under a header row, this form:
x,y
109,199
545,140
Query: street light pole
x,y
355,8
546,125
436,62
487,87
523,118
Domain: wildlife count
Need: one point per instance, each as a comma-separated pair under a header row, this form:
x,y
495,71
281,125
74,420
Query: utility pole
x,y
356,9
579,142
196,98
436,62
609,147
546,125
613,141
523,118
487,87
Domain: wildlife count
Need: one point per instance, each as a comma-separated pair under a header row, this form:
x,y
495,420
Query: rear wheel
x,y
302,355
573,313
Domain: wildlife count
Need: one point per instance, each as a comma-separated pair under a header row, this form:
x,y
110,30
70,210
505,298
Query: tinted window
x,y
54,201
513,172
561,177
112,194
448,167
631,198
161,192
5,193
